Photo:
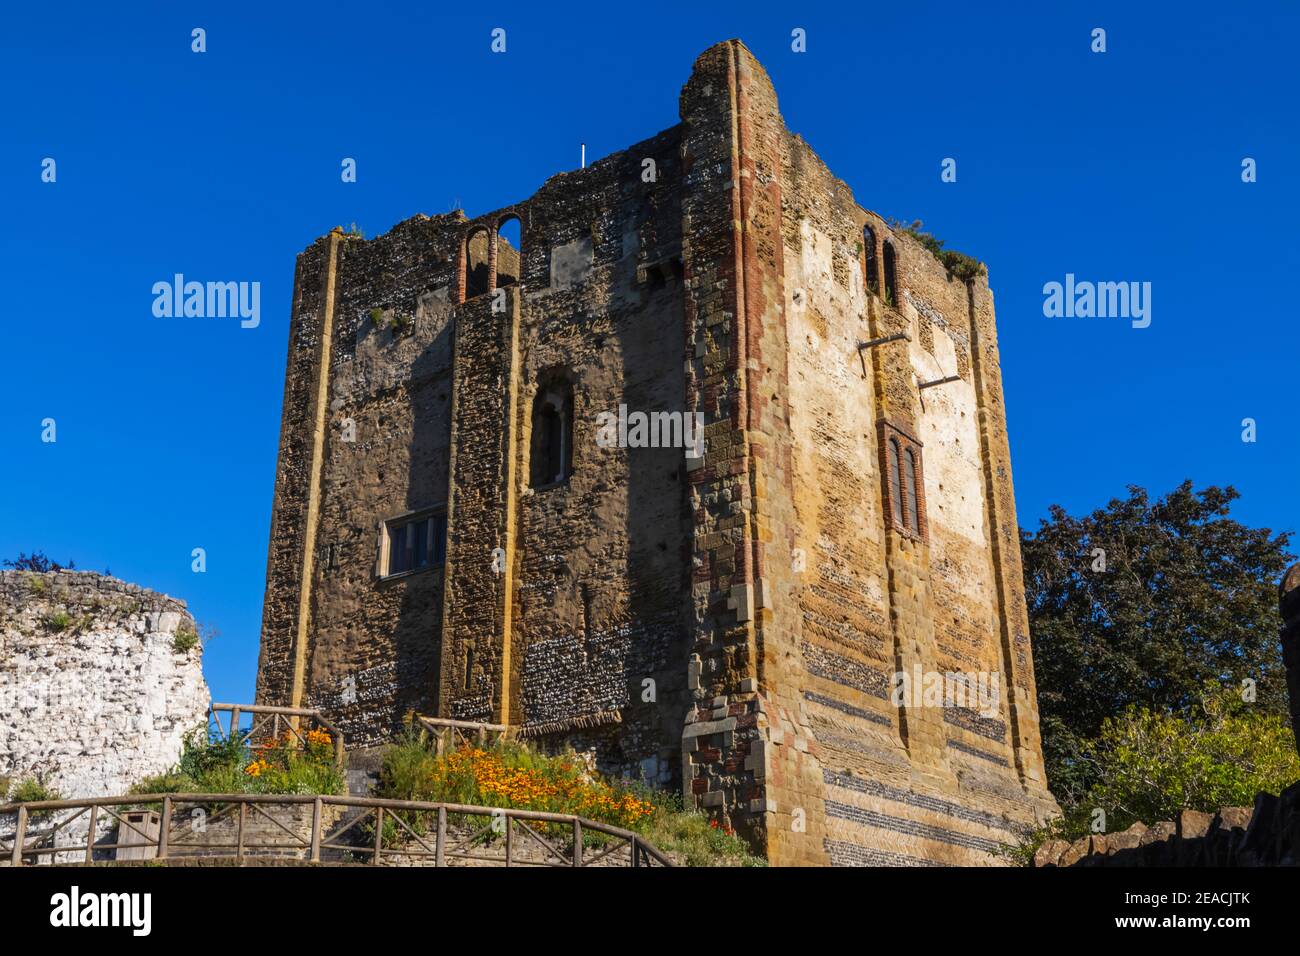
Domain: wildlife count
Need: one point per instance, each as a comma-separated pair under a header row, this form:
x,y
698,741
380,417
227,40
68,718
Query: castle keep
x,y
449,535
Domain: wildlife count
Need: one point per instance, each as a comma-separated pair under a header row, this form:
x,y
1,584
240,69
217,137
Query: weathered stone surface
x,y
1049,854
93,695
1159,832
1194,823
1126,839
1076,852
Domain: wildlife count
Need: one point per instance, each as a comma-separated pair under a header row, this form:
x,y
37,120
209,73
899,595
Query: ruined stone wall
x,y
94,696
599,566
367,410
1266,834
802,746
730,624
437,390
375,643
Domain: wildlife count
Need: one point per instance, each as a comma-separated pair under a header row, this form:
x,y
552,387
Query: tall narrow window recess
x,y
413,543
870,264
551,448
891,274
909,484
904,491
476,263
509,252
895,482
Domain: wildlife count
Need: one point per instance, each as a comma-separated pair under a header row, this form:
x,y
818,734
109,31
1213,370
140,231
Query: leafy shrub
x,y
33,790
1149,765
37,562
185,639
224,765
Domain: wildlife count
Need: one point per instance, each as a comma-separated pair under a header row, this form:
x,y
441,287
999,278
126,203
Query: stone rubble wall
x,y
93,695
1267,834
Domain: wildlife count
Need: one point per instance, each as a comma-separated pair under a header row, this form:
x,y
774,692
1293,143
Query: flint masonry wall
x,y
729,625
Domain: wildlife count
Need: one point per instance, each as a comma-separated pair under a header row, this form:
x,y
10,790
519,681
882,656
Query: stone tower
x,y
451,533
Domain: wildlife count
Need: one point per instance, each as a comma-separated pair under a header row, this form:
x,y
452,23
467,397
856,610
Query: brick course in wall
x,y
730,624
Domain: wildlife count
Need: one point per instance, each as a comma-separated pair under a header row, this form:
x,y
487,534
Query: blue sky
x,y
224,165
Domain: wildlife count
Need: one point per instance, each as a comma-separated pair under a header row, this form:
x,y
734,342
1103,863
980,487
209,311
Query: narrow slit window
x,y
420,544
891,275
895,485
909,473
871,265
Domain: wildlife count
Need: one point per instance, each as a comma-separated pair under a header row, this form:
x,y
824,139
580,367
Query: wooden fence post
x,y
90,834
316,809
442,837
19,836
164,825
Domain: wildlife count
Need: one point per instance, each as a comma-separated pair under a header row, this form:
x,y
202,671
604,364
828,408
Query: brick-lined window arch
x,y
870,262
891,273
904,486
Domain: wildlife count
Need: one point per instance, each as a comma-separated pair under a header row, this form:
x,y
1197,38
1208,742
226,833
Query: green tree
x,y
1140,604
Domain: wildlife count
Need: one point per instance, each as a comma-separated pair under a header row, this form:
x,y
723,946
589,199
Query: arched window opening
x,y
509,251
469,668
895,485
870,264
476,263
891,275
909,475
551,453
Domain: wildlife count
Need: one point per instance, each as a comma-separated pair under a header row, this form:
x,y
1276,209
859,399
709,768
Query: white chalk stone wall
x,y
94,692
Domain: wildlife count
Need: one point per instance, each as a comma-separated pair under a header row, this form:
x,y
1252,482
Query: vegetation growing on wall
x,y
37,562
959,264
